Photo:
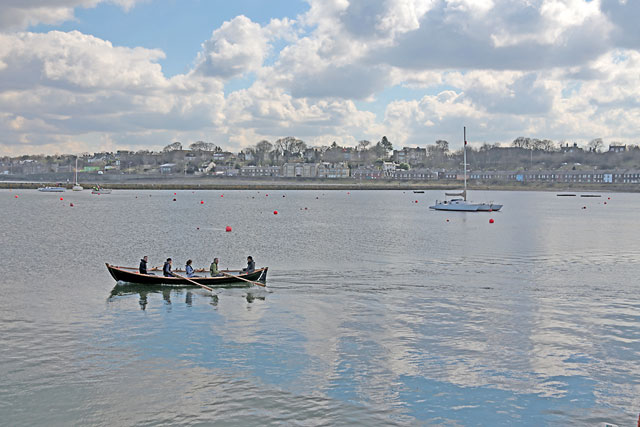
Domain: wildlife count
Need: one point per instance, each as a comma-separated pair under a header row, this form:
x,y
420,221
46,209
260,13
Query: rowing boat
x,y
234,277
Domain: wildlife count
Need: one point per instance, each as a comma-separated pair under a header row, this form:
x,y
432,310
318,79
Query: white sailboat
x,y
77,187
461,204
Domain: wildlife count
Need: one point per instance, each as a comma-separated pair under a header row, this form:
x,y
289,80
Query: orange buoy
x,y
228,229
491,221
275,212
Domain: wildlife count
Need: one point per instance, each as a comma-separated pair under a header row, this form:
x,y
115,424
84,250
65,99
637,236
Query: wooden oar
x,y
194,282
242,278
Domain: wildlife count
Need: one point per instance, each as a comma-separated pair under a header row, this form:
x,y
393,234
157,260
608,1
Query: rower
x,y
251,265
143,265
166,268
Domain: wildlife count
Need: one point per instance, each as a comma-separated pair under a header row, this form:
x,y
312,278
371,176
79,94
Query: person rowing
x,y
166,268
143,265
251,265
189,269
214,268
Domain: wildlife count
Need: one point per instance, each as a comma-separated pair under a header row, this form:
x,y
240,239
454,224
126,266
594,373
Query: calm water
x,y
379,311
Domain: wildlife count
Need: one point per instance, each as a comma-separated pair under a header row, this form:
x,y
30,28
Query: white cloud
x,y
559,69
237,47
20,14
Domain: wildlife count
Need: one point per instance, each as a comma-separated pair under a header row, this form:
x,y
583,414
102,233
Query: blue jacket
x,y
189,270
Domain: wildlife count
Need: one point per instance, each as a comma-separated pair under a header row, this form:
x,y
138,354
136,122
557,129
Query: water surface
x,y
378,311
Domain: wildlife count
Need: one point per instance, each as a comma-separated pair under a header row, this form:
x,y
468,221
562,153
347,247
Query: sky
x,y
103,75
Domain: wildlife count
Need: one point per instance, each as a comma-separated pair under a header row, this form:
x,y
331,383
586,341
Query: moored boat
x,y
48,189
99,190
462,204
234,278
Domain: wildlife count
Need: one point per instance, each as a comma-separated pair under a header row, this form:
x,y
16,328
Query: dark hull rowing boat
x,y
131,275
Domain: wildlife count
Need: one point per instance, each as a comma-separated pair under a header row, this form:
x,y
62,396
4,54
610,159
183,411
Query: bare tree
x,y
174,146
202,146
595,145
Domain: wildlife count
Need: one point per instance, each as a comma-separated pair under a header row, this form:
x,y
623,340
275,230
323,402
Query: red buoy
x,y
275,212
491,221
266,195
71,204
61,198
174,200
202,202
605,203
416,201
228,229
174,194
222,195
197,228
16,196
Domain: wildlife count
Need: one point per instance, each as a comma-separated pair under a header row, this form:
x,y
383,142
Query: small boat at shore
x,y
48,189
99,190
234,278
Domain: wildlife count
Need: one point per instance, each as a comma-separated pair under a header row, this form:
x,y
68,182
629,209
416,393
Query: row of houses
x,y
390,171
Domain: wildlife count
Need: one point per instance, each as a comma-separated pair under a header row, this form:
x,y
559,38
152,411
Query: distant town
x,y
525,160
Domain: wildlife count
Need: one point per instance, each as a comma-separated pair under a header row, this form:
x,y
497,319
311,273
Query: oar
x,y
194,282
246,280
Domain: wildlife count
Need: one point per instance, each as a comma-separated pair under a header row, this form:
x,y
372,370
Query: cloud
x,y
21,14
559,69
237,47
70,84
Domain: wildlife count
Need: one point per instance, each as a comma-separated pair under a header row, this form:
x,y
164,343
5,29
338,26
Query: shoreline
x,y
219,184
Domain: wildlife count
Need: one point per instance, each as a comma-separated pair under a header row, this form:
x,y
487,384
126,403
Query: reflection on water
x,y
143,291
377,312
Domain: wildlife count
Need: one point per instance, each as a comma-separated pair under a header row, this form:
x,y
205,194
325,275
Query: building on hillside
x,y
366,173
409,155
571,148
260,171
332,170
617,148
167,168
388,168
420,174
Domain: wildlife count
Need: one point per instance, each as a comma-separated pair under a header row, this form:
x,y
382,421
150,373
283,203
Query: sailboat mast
x,y
76,170
465,163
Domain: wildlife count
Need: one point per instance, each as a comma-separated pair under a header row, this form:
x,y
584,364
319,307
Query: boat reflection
x,y
143,291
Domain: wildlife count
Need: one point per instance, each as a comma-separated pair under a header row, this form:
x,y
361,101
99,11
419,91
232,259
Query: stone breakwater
x,y
207,183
